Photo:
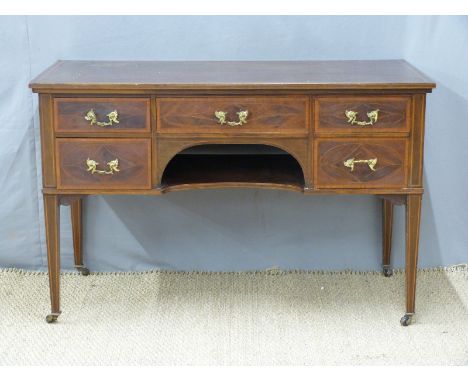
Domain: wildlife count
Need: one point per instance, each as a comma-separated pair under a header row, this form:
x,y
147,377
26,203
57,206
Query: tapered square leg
x,y
387,228
413,218
52,226
77,229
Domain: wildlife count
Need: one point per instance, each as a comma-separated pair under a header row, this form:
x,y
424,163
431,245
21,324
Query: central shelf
x,y
219,166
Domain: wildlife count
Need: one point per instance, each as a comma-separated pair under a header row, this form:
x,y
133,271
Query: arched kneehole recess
x,y
231,165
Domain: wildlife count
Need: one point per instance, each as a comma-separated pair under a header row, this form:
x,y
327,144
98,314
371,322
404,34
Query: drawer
x,y
360,163
102,115
103,163
362,114
226,115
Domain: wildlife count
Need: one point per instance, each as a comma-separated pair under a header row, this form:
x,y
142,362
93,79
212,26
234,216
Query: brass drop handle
x,y
351,162
92,118
92,167
352,117
222,116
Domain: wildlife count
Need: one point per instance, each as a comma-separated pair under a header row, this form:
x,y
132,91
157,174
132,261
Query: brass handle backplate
x,y
351,162
92,167
92,118
352,117
222,116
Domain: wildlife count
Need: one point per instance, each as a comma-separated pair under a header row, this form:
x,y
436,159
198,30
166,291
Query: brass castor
x,y
387,271
51,318
406,319
83,270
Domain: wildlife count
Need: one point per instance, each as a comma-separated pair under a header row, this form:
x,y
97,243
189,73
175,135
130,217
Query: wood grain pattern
x,y
76,207
198,169
231,75
133,114
417,141
167,148
52,227
387,230
390,170
403,192
413,218
269,115
297,106
394,113
47,140
398,200
134,157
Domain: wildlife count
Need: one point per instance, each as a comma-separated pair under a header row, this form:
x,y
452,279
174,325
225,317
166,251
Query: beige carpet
x,y
256,318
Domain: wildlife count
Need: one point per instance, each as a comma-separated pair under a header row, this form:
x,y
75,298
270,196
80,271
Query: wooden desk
x,y
342,127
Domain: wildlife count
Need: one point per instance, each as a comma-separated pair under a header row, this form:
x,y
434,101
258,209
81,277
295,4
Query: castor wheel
x,y
83,270
406,319
51,318
387,271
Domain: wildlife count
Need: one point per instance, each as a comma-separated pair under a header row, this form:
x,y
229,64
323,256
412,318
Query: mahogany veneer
x,y
345,127
134,156
394,114
134,114
267,115
390,169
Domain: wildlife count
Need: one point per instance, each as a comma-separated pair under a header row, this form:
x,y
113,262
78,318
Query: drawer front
x,y
362,114
103,163
105,115
233,115
359,163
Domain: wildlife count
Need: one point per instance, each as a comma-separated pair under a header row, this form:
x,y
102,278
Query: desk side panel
x,y
417,141
47,140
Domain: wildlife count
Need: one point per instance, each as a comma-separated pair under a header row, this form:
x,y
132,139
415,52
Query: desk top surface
x,y
294,75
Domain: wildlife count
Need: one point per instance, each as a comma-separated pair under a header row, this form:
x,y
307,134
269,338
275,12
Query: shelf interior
x,y
223,164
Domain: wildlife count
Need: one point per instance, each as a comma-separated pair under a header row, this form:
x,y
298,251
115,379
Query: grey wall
x,y
234,229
